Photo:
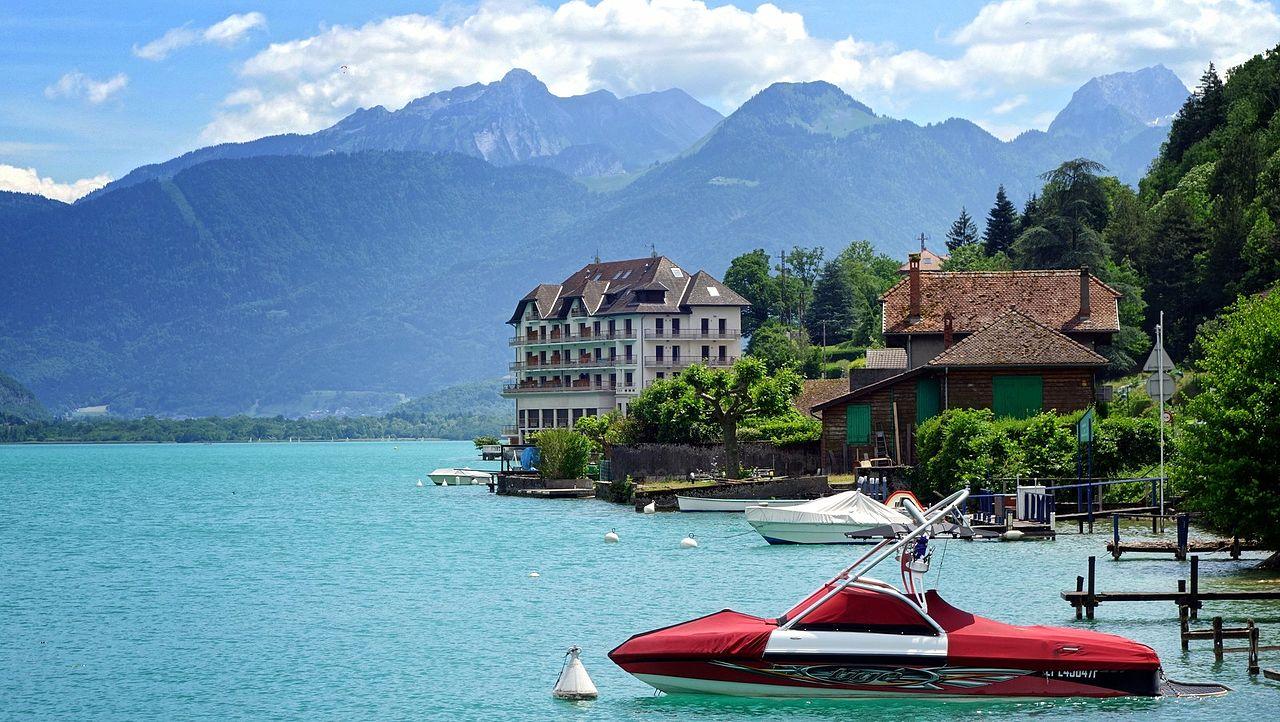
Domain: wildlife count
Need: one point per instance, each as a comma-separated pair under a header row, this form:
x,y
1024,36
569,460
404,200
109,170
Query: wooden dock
x,y
1179,548
1085,598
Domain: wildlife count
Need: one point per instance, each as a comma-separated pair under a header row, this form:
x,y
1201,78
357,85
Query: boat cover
x,y
856,609
849,507
976,640
724,635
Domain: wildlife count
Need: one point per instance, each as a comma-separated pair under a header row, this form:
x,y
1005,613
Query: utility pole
x,y
1160,375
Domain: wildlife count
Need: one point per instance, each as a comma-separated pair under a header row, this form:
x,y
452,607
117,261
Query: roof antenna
x,y
923,237
653,251
597,254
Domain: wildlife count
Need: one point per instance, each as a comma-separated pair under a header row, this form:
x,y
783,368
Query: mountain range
x,y
378,258
513,120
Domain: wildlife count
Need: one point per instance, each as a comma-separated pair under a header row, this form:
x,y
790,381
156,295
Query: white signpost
x,y
1160,387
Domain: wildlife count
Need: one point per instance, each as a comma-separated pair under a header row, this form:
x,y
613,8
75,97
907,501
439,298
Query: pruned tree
x,y
745,390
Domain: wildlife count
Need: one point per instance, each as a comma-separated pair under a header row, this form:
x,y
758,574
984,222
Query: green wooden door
x,y
1017,397
857,424
928,399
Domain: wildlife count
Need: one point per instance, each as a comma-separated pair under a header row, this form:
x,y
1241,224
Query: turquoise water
x,y
317,581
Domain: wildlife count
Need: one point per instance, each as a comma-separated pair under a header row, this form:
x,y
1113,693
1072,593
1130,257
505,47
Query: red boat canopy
x,y
979,641
859,610
723,635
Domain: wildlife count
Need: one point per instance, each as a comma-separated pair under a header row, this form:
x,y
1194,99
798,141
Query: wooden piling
x,y
1090,601
1184,618
1115,536
1195,587
1184,527
1217,639
1253,648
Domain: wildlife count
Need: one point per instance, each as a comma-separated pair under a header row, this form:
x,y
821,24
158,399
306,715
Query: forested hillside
x,y
254,282
1212,200
17,403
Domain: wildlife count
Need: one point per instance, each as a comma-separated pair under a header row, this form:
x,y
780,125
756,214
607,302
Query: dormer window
x,y
651,295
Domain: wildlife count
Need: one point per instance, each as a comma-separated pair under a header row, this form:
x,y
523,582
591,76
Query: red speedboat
x,y
860,637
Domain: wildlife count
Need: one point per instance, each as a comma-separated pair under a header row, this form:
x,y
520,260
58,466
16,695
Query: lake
x,y
318,581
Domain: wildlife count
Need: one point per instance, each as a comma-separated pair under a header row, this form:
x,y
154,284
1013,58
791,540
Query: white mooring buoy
x,y
574,682
534,575
651,507
688,542
1012,535
611,537
419,482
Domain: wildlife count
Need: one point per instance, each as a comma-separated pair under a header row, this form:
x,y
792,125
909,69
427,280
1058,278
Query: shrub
x,y
622,489
484,441
1123,444
795,428
1043,445
563,454
958,448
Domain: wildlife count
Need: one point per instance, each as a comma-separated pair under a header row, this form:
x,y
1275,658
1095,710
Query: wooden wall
x,y
1065,390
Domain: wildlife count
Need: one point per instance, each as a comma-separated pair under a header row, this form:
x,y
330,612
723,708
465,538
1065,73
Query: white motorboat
x,y
699,503
822,521
460,477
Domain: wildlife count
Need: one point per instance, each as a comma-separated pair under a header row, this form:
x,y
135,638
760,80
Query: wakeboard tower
x,y
860,637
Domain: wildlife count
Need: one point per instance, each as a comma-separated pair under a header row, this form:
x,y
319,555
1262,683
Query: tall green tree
x,y
963,232
1002,225
774,344
799,269
832,317
1168,263
871,274
728,396
1072,211
748,275
1228,442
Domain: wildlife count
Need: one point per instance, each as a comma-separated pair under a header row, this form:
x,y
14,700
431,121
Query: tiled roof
x,y
976,298
609,288
1015,339
817,391
929,261
886,358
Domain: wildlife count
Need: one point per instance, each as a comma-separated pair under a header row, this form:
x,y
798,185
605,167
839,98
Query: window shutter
x,y
928,399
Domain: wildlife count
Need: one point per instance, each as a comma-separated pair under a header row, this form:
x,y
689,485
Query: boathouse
x,y
1015,342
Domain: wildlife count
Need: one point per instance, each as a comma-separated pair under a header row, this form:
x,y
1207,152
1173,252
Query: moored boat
x,y
702,503
460,477
822,521
861,637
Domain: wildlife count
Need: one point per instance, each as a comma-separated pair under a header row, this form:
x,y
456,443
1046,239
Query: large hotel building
x,y
590,344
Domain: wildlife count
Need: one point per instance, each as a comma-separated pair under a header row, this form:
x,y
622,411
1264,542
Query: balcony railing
x,y
694,335
554,386
553,338
590,363
683,361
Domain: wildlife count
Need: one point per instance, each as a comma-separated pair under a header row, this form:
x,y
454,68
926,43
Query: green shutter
x,y
1017,397
857,424
928,399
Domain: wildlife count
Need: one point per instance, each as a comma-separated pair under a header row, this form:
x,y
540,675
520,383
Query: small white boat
x,y
822,521
460,477
699,503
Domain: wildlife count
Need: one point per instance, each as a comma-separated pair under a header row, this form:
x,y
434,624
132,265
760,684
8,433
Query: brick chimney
x,y
913,275
1084,292
947,337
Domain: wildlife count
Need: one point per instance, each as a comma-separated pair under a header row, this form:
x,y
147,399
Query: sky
x,y
93,90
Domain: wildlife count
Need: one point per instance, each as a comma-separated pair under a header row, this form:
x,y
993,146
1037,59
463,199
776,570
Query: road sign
x,y
1160,386
1154,361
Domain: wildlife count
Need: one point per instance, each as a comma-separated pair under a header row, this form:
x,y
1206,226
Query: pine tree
x,y
963,232
1030,213
1002,225
833,305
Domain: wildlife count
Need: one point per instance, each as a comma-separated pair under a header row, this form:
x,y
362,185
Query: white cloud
x,y
1011,104
723,54
225,32
78,85
27,180
1062,40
